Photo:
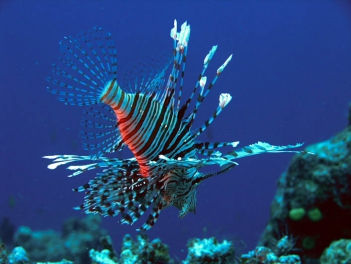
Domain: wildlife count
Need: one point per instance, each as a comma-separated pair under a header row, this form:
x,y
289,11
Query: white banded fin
x,y
220,69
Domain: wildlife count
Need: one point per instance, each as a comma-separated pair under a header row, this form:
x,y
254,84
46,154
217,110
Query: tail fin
x,y
87,64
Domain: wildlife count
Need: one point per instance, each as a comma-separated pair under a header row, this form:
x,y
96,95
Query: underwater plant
x,y
150,119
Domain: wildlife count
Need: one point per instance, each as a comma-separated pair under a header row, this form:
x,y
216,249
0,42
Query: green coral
x,y
296,214
309,242
315,215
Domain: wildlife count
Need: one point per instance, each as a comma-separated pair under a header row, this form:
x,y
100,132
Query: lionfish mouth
x,y
151,119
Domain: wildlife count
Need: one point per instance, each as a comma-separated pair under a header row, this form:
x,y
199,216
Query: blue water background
x,y
290,79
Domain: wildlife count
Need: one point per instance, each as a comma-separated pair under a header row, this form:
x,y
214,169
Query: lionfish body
x,y
150,121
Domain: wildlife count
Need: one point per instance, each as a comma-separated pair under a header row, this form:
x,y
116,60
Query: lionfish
x,y
146,116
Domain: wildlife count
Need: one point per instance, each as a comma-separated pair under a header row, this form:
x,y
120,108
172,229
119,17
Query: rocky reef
x,y
313,199
338,252
210,251
83,241
48,245
278,254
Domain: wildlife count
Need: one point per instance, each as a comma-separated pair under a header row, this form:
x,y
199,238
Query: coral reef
x,y
78,236
17,256
143,251
275,255
314,194
209,251
338,252
40,245
102,257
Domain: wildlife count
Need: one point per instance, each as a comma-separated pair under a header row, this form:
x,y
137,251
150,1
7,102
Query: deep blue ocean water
x,y
290,79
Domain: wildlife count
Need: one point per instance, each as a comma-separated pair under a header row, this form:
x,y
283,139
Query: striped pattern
x,y
149,119
146,139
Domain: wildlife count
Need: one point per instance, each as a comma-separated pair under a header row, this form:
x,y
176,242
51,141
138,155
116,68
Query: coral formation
x,y
102,257
314,194
17,256
78,236
134,252
64,261
297,214
315,215
210,251
73,244
276,255
40,245
338,252
143,251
